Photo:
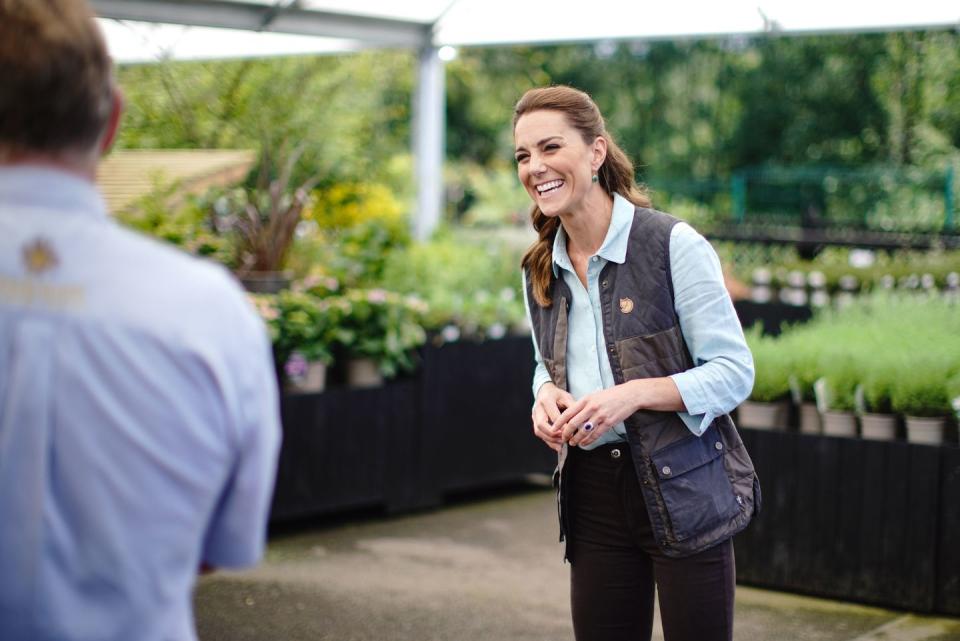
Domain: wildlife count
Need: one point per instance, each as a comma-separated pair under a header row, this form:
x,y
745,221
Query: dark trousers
x,y
615,561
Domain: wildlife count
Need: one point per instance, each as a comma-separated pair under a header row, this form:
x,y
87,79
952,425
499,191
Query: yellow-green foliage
x,y
772,366
346,205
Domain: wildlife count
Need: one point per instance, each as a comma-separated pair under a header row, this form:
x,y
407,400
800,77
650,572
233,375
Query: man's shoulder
x,y
172,291
161,262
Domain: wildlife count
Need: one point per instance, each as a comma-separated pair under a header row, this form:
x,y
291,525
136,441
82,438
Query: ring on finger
x,y
588,426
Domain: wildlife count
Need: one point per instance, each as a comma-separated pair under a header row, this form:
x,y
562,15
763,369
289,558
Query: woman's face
x,y
555,165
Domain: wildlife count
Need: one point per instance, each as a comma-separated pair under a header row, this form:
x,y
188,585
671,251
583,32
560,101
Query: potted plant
x,y
768,405
877,419
923,400
303,327
263,220
836,392
379,332
804,363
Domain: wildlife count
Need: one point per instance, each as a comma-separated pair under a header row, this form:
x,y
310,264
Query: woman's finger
x,y
576,423
585,436
562,421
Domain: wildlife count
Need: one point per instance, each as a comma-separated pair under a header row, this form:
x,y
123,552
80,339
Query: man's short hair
x,y
55,76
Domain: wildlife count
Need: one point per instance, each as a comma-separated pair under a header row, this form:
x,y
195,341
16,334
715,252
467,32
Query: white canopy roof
x,y
343,25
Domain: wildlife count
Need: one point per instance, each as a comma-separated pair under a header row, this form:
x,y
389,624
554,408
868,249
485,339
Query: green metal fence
x,y
880,199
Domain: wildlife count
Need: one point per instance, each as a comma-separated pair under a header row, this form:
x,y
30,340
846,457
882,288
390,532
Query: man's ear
x,y
599,153
113,123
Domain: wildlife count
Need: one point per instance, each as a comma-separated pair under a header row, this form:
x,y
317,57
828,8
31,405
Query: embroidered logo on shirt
x,y
626,305
39,257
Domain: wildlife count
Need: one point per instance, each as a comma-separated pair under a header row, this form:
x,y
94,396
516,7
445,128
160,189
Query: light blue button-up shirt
x,y
139,424
723,374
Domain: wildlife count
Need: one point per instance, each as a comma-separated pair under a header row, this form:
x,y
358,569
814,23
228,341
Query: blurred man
x,y
138,411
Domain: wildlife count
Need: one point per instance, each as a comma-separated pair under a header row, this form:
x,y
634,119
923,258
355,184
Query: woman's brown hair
x,y
615,174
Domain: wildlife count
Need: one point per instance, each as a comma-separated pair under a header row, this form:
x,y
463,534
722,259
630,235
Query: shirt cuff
x,y
698,415
540,376
697,424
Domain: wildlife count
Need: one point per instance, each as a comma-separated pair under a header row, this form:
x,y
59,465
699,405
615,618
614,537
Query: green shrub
x,y
878,381
471,286
166,214
841,374
921,393
381,325
772,367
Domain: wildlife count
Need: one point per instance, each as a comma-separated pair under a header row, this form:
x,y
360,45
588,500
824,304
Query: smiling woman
x,y
640,358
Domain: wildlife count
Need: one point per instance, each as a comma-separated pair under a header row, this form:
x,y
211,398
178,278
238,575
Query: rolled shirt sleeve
x,y
722,376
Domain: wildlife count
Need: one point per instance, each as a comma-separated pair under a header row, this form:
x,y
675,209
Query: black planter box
x,y
476,405
854,519
463,423
345,449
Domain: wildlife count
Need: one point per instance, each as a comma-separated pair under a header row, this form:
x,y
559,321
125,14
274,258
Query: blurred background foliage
x,y
852,130
691,114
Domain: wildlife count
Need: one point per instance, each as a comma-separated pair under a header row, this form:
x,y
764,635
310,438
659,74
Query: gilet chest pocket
x,y
694,484
656,354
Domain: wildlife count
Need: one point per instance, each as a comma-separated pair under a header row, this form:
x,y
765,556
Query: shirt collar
x,y
37,187
614,246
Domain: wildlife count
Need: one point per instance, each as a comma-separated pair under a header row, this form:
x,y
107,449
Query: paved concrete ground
x,y
485,570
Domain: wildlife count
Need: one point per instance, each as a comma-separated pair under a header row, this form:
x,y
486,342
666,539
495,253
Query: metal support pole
x,y
428,141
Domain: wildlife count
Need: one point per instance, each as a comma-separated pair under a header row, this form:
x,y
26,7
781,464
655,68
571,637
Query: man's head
x,y
57,97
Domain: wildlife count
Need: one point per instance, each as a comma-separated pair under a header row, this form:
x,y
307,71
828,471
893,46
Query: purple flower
x,y
296,365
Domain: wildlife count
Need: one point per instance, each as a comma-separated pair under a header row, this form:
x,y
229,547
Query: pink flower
x,y
377,296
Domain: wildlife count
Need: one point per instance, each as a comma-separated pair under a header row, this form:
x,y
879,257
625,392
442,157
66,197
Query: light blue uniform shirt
x,y
139,425
723,374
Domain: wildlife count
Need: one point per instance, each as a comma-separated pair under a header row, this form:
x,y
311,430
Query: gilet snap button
x,y
666,470
718,445
615,453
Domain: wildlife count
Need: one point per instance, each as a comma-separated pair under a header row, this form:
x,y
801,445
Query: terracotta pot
x,y
810,422
363,372
840,423
925,429
763,416
313,380
878,427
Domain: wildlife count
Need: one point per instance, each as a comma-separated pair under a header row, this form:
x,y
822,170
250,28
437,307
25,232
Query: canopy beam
x,y
370,31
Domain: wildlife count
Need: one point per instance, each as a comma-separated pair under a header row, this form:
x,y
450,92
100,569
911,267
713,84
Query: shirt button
x,y
594,259
718,445
666,470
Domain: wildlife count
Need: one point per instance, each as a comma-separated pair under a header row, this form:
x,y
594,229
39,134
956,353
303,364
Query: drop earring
x,y
595,178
